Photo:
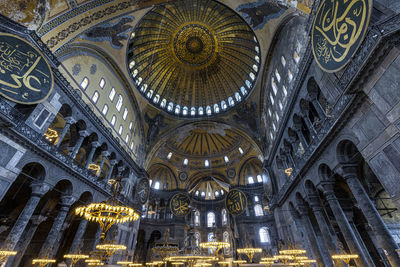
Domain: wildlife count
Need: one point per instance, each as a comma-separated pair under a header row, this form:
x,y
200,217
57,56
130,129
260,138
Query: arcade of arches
x,y
214,120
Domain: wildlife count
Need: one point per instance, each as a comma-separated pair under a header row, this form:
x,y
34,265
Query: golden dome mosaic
x,y
193,58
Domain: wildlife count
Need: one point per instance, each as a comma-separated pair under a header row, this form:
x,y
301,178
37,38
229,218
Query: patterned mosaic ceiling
x,y
193,58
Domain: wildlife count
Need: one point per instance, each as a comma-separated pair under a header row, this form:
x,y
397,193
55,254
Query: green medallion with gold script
x,y
338,30
179,204
236,202
25,76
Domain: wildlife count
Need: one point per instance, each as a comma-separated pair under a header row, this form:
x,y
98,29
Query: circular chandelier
x,y
6,253
250,252
75,257
43,261
107,215
110,212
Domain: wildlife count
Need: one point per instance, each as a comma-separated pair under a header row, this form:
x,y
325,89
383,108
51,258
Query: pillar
x,y
318,108
105,154
96,238
301,137
321,255
78,236
344,224
68,122
113,162
322,223
373,217
310,126
38,190
82,135
55,231
90,157
26,238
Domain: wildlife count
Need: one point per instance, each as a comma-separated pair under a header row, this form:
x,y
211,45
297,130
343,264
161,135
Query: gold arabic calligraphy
x,y
180,204
236,202
338,29
24,74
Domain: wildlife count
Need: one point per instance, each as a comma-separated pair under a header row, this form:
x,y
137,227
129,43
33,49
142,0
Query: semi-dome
x,y
193,58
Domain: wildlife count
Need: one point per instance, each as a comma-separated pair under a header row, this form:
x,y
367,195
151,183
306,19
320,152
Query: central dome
x,y
193,58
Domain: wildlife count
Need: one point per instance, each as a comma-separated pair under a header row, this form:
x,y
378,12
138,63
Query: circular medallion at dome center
x,y
194,45
193,58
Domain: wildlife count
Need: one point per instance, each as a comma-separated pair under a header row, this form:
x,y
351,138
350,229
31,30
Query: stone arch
x,y
347,152
65,110
34,171
325,173
64,186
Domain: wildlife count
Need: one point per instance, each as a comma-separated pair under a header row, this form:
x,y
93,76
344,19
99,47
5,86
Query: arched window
x,y
163,103
193,111
258,210
112,94
197,218
224,217
170,106
216,108
102,83
85,83
185,111
210,219
250,180
201,112
113,120
259,179
95,97
177,109
105,110
208,110
157,185
264,235
119,103
127,138
120,130
125,114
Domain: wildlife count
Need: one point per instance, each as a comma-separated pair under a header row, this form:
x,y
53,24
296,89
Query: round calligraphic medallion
x,y
179,204
236,202
25,75
338,30
143,190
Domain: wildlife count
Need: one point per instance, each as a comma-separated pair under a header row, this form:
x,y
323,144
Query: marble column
x,y
113,163
344,224
59,238
322,223
322,255
383,236
82,135
97,237
305,239
25,240
55,231
318,108
78,236
38,190
310,126
301,137
68,122
105,154
89,159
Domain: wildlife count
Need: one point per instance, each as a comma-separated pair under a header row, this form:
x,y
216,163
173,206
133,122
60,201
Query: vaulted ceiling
x,y
189,73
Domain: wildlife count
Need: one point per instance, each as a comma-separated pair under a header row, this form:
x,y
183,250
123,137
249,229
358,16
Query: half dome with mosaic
x,y
193,58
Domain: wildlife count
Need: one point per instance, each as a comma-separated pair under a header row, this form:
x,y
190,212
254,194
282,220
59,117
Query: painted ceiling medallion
x,y
193,58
